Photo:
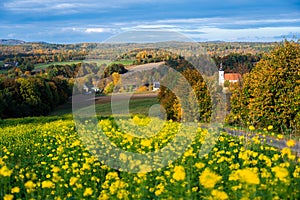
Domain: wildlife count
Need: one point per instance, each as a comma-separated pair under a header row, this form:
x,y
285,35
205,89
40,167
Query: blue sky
x,y
73,21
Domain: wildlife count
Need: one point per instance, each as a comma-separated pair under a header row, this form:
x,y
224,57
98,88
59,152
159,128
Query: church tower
x,y
221,75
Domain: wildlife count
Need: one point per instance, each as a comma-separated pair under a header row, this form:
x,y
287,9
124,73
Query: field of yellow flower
x,y
44,158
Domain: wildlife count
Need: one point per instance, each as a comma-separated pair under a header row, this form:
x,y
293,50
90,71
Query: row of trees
x,y
150,55
237,62
43,58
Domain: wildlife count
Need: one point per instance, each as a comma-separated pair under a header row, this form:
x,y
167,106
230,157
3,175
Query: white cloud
x,y
87,29
65,6
75,5
97,30
154,26
208,28
249,34
229,20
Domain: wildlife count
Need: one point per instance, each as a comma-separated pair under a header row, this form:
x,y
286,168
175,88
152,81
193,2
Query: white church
x,y
231,77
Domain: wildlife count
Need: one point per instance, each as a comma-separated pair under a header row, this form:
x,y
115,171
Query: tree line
x,y
36,94
32,96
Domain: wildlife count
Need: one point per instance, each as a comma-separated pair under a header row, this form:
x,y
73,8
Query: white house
x,y
156,85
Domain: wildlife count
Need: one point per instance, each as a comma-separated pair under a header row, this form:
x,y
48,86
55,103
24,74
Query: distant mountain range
x,y
11,41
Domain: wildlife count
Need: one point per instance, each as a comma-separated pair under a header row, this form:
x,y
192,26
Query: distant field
x,y
136,106
99,62
124,62
43,65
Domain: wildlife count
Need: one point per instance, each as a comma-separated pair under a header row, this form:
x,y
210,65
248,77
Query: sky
x,y
76,21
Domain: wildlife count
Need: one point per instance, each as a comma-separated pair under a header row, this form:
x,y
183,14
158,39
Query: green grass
x,y
43,65
33,120
124,62
61,110
136,106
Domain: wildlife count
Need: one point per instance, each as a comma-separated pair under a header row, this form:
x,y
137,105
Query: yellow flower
x,y
158,192
103,196
75,165
111,175
55,169
15,190
88,192
270,127
279,136
280,172
220,195
146,143
122,194
117,185
179,173
246,175
8,197
86,166
48,184
73,180
286,151
209,179
29,185
296,173
5,171
1,161
236,187
199,165
290,143
251,128
194,189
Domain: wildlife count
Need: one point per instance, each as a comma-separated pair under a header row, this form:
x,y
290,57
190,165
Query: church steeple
x,y
221,67
221,75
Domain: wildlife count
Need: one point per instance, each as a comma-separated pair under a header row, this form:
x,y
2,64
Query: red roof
x,y
233,77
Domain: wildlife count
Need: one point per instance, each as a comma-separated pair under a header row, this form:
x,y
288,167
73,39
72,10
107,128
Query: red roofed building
x,y
231,77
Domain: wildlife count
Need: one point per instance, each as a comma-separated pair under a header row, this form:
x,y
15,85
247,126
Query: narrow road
x,y
272,141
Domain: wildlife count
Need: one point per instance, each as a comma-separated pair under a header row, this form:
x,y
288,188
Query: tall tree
x,y
270,94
